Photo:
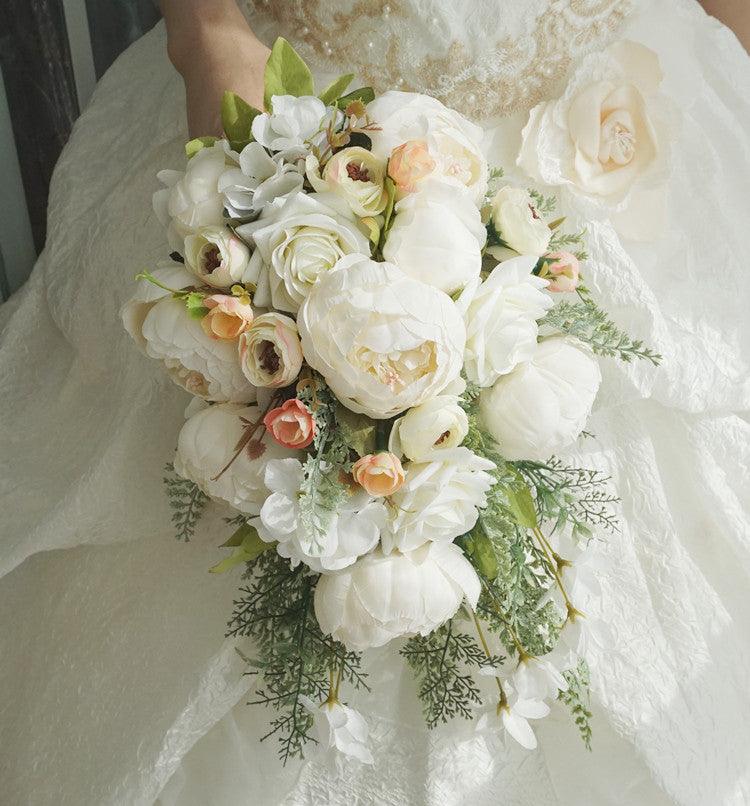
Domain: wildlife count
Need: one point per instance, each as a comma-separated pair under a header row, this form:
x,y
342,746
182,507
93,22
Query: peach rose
x,y
562,270
227,317
410,162
291,425
379,473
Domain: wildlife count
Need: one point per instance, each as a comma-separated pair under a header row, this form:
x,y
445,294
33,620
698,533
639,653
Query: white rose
x,y
217,257
452,142
354,528
206,367
517,222
542,406
354,174
257,181
191,199
134,311
208,441
437,237
382,597
429,429
501,320
605,138
438,500
291,124
300,242
270,351
382,341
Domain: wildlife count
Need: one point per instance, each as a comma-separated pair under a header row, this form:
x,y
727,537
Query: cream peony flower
x,y
605,138
270,351
299,243
341,727
501,320
191,199
291,125
217,257
437,237
517,222
257,181
542,406
208,441
354,528
383,341
453,143
381,597
427,430
438,500
206,367
134,311
355,175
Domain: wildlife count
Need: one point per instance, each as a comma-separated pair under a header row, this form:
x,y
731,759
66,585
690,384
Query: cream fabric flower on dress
x,y
606,138
381,597
207,442
383,341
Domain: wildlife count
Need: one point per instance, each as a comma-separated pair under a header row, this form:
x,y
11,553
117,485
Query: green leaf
x,y
357,430
286,73
249,548
194,304
390,189
333,91
521,505
482,554
364,94
194,146
237,119
373,229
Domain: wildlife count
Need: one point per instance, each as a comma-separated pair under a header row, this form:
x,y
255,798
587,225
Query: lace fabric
x,y
484,57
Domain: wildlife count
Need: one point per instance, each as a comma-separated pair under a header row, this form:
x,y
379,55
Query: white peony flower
x,y
382,597
605,139
452,142
501,320
133,313
518,223
217,257
354,174
437,237
438,500
208,441
383,341
354,528
206,367
291,124
341,727
514,714
427,430
257,181
270,351
542,406
191,199
300,242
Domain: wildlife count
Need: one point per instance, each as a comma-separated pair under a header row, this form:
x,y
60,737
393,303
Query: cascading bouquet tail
x,y
365,313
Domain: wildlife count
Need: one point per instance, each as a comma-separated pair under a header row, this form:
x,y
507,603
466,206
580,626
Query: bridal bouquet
x,y
387,345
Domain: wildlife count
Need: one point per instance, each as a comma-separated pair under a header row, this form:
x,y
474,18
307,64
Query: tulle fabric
x,y
116,684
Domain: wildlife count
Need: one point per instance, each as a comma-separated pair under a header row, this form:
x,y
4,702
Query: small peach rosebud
x,y
380,474
562,270
410,162
291,425
227,317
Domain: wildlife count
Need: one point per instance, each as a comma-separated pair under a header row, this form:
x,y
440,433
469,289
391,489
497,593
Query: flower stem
x,y
485,646
548,553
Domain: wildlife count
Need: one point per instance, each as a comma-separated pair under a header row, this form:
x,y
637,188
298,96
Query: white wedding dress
x,y
116,685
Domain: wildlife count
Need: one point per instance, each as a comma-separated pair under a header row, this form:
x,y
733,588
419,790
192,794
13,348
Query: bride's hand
x,y
213,48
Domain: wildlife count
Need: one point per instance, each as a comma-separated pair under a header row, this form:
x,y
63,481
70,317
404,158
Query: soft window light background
x,y
51,54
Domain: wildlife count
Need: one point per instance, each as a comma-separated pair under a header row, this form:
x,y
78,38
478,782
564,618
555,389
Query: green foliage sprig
x,y
589,323
577,700
187,500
